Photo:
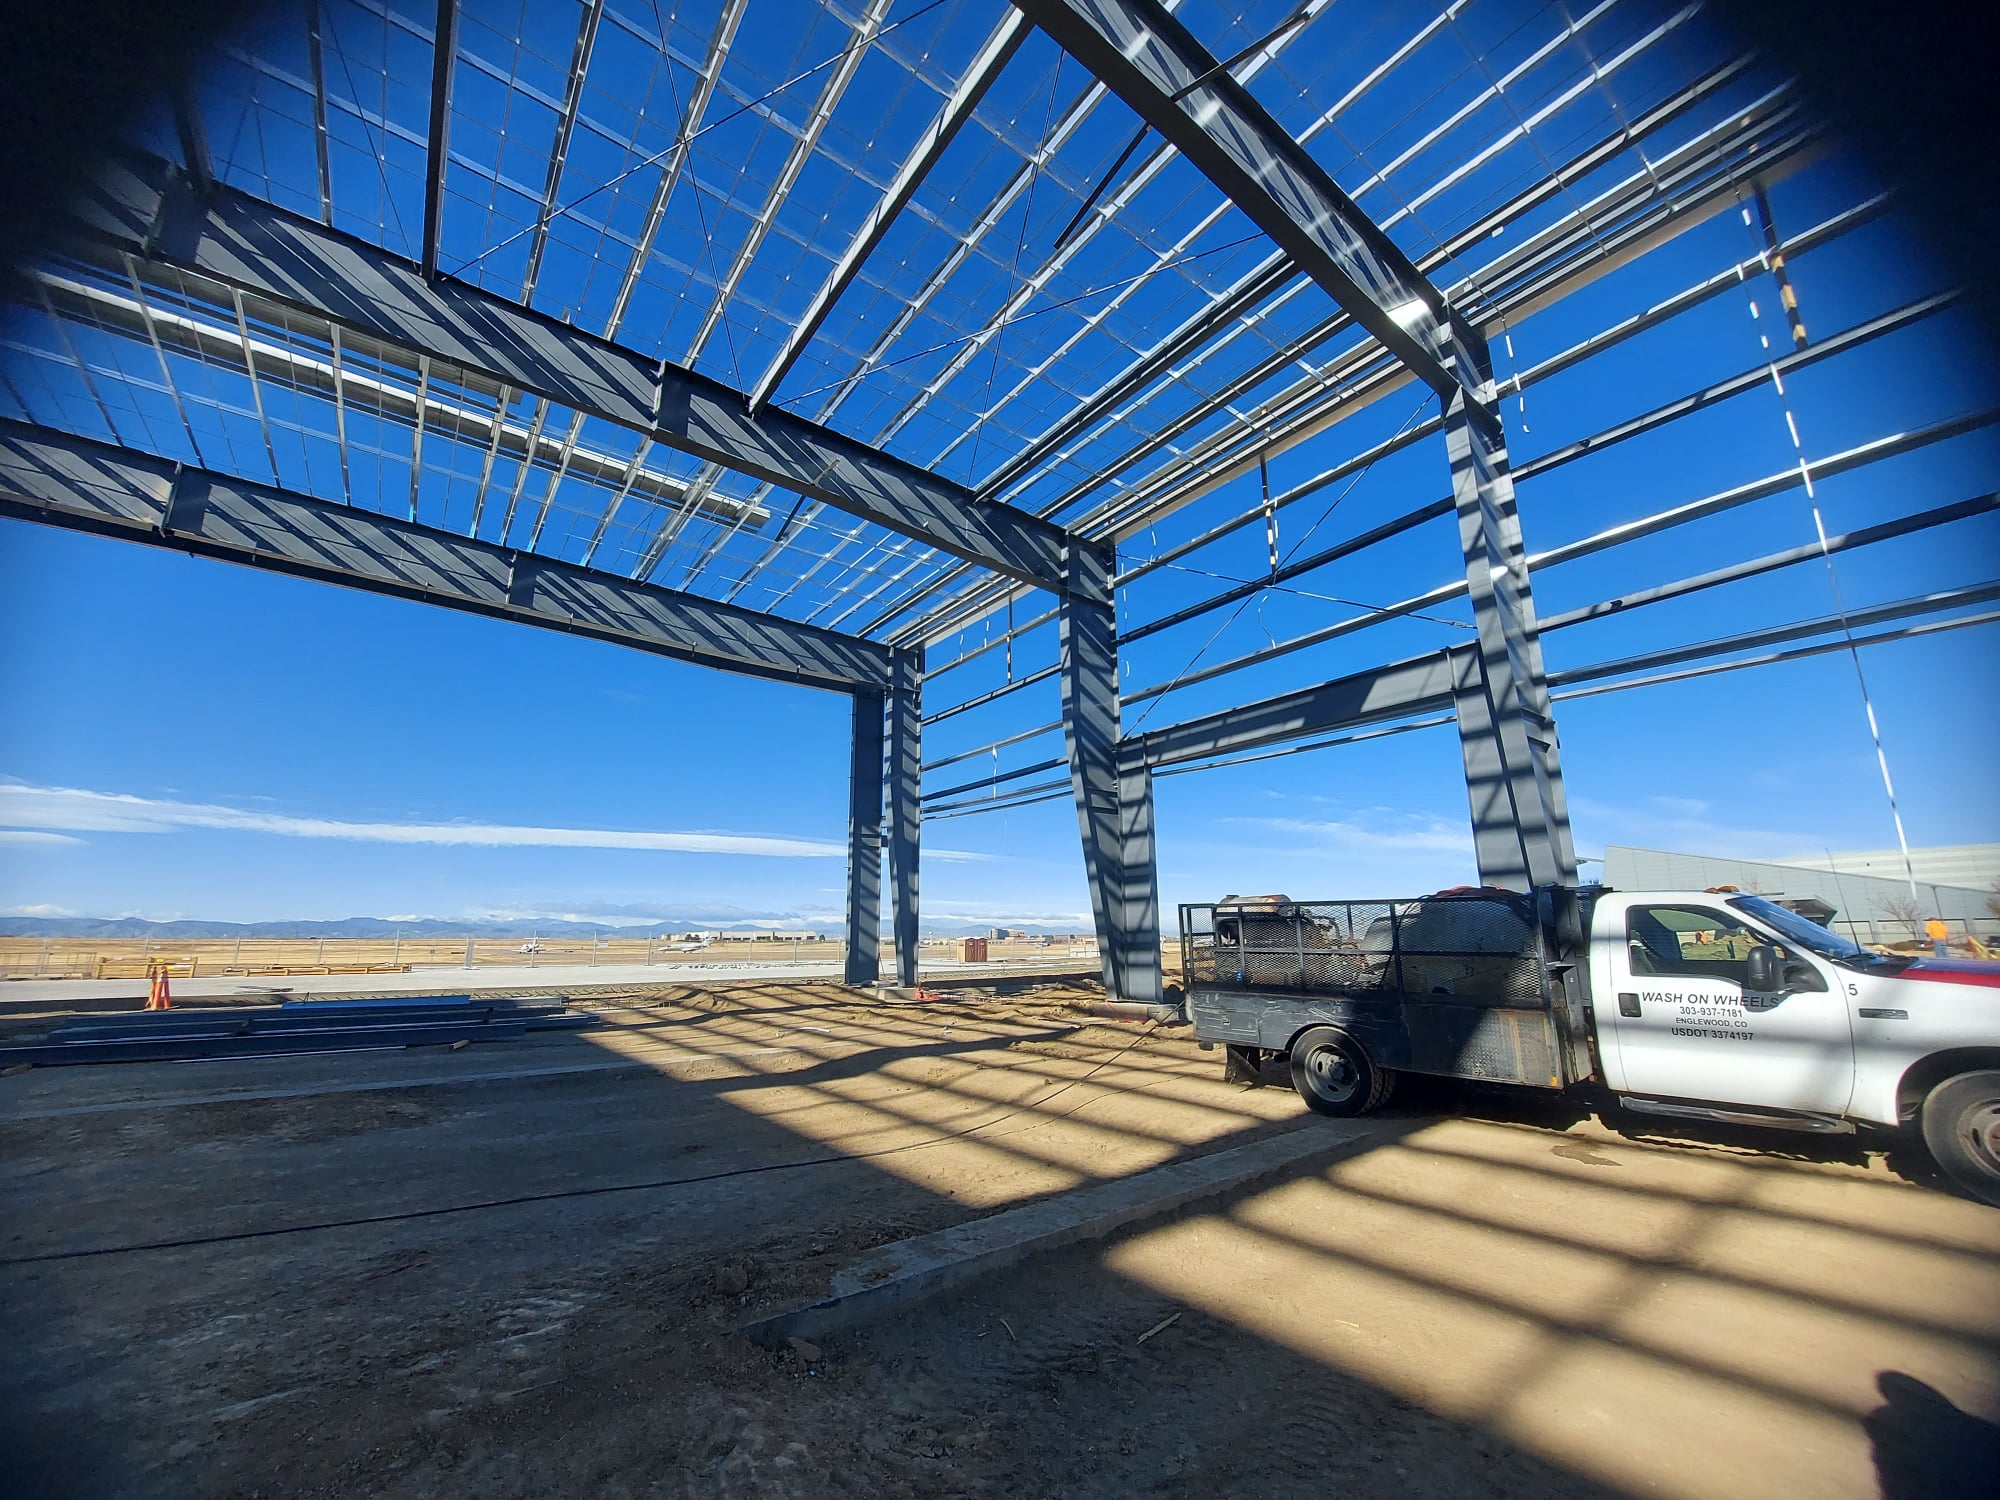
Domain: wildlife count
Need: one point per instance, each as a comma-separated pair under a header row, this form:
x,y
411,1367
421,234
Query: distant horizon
x,y
670,918
377,928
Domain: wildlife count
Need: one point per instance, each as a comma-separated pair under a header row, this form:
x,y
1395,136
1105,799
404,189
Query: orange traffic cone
x,y
159,999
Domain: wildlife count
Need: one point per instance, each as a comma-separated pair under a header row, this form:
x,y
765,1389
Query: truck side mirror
x,y
1763,970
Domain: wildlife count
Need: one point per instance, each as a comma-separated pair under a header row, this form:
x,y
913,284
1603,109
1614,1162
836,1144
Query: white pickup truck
x,y
1701,1004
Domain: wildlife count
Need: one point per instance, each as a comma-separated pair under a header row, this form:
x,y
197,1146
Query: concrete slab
x,y
910,1270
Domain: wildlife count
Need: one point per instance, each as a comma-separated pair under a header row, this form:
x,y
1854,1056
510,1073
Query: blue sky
x,y
187,739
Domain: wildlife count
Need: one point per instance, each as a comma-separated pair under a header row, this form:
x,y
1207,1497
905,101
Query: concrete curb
x,y
908,1271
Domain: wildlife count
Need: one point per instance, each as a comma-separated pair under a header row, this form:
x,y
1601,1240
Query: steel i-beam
x,y
140,208
60,480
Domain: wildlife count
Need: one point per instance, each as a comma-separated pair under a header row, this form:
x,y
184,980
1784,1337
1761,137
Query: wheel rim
x,y
1979,1127
1331,1074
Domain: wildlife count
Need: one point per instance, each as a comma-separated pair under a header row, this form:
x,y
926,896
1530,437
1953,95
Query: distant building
x,y
1976,866
1868,895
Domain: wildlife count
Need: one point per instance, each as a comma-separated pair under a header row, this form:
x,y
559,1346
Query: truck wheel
x,y
1334,1076
1962,1127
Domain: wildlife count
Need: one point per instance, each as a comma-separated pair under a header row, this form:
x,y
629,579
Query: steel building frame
x,y
634,449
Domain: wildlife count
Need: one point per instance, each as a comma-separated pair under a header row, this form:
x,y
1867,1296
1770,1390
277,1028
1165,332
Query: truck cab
x,y
1729,998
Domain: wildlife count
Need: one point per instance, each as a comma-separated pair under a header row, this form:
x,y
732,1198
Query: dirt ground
x,y
128,958
518,1269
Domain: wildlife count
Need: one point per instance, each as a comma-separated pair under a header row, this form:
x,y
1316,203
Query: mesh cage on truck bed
x,y
1453,984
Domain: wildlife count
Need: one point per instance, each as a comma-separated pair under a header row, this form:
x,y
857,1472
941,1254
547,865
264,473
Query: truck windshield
x,y
1808,934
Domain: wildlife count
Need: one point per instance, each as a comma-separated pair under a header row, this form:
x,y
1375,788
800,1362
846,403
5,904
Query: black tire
x,y
1961,1122
1335,1076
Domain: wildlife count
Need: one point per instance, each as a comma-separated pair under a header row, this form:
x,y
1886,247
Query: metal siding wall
x,y
1858,898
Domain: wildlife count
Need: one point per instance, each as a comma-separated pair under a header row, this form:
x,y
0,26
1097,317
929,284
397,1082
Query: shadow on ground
x,y
517,1270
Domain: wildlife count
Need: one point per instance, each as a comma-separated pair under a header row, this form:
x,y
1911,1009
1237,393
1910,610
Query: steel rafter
x,y
1555,364
237,241
572,103
316,66
444,47
1702,168
796,157
1098,216
801,150
967,245
997,52
1366,373
422,406
1276,271
1020,298
1152,62
628,284
1676,182
78,484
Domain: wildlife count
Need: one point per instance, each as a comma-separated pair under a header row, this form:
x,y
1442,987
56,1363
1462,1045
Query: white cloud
x,y
1681,807
994,914
26,837
642,913
1347,851
1413,833
1679,825
41,910
25,806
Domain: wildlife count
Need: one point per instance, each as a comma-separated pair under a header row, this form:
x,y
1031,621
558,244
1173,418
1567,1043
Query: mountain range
x,y
433,927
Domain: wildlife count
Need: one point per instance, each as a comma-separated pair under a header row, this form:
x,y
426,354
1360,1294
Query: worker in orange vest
x,y
1940,936
159,999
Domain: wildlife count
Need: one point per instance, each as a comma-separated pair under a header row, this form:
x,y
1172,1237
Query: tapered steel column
x,y
864,844
905,806
1507,732
1114,792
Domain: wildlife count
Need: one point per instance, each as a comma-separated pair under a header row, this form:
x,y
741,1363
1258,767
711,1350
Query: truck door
x,y
1683,1026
